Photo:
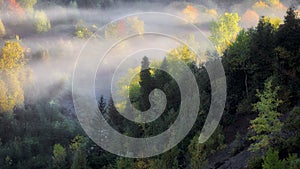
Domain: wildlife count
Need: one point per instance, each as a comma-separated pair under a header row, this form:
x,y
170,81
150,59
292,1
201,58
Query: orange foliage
x,y
16,9
191,13
121,27
212,12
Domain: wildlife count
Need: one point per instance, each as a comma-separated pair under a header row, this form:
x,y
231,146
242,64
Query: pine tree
x,y
102,104
115,118
146,83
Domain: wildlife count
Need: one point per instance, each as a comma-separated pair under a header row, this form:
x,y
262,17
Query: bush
x,y
42,24
272,161
237,145
82,31
255,162
292,130
293,162
245,106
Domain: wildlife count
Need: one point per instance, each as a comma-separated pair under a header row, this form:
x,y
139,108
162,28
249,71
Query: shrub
x,y
237,145
255,162
82,31
42,24
272,161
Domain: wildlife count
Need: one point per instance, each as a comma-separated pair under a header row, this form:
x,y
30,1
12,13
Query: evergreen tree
x,y
102,104
146,83
261,55
287,55
115,119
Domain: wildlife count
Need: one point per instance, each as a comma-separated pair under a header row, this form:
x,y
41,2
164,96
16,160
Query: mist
x,y
52,76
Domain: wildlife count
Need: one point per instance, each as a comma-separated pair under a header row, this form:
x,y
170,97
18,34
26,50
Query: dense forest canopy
x,y
257,42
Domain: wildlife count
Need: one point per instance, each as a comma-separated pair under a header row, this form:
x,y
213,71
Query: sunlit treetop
x,y
191,13
264,3
42,24
224,31
274,21
130,25
11,75
183,53
12,56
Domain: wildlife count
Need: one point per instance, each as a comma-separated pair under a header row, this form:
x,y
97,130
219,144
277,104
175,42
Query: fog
x,y
52,76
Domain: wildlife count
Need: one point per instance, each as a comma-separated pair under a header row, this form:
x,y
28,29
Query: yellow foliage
x,y
260,4
2,29
212,12
136,24
11,76
275,21
12,56
4,106
182,53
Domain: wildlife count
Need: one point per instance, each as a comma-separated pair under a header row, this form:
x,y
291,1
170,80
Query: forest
x,y
256,41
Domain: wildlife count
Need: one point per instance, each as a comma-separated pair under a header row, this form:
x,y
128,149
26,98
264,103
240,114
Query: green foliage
x,y
236,64
82,30
2,29
59,156
237,144
293,162
292,130
272,161
41,22
123,163
287,53
199,152
255,162
267,125
77,145
224,31
169,159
